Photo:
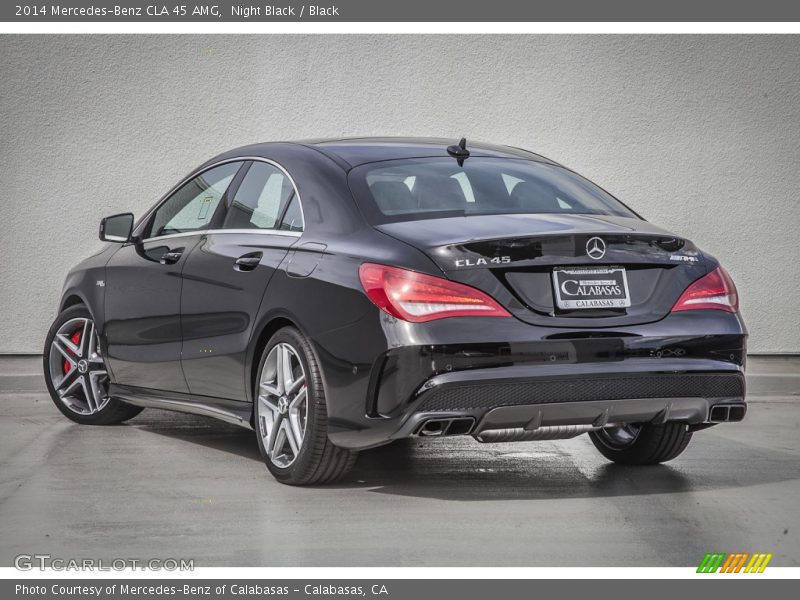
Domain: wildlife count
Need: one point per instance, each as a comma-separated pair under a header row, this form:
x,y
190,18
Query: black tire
x,y
318,460
651,444
113,412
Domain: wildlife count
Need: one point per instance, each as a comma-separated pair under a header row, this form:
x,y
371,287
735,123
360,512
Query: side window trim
x,y
246,161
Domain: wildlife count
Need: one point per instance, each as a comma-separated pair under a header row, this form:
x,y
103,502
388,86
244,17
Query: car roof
x,y
352,152
358,151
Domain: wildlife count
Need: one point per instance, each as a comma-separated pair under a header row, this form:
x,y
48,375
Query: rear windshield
x,y
406,190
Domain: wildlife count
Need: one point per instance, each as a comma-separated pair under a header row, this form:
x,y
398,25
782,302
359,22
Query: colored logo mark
x,y
738,562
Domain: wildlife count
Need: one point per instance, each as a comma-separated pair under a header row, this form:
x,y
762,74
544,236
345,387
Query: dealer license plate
x,y
591,287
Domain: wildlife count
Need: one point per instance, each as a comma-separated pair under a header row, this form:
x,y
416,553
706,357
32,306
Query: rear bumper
x,y
540,379
589,402
481,400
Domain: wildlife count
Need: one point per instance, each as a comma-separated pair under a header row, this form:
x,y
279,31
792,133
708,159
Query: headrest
x,y
534,196
393,196
441,193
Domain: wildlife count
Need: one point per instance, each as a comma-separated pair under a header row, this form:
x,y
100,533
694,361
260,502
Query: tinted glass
x,y
406,190
260,199
192,206
293,219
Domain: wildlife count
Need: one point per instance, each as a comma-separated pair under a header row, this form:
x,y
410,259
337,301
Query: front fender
x,y
85,284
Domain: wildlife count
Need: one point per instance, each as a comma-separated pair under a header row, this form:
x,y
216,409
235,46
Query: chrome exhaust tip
x,y
727,413
737,412
446,427
719,414
432,428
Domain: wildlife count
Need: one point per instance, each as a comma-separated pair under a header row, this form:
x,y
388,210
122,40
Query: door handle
x,y
171,257
248,262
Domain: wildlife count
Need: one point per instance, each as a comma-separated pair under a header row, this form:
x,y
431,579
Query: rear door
x,y
143,284
226,276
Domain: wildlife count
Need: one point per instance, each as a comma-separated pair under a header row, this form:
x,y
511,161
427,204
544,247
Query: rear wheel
x,y
76,374
291,418
642,443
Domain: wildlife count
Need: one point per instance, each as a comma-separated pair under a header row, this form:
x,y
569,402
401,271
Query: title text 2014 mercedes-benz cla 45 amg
x,y
336,295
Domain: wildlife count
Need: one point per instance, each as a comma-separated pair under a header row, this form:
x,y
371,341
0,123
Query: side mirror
x,y
117,228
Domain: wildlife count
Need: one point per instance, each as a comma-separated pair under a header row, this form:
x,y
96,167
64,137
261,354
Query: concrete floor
x,y
180,486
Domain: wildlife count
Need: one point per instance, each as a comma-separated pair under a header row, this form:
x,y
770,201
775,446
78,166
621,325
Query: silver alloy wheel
x,y
77,370
619,437
283,405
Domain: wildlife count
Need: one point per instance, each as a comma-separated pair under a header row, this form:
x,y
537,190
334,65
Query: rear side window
x,y
293,219
261,199
405,190
192,207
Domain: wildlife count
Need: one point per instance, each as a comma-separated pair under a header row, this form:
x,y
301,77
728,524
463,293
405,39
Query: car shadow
x,y
461,469
200,430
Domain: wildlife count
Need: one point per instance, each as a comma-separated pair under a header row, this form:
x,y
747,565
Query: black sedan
x,y
336,295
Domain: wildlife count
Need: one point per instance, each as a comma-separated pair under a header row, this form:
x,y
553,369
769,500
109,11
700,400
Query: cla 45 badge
x,y
482,262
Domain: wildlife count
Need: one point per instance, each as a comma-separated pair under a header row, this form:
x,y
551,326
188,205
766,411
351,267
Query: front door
x,y
143,285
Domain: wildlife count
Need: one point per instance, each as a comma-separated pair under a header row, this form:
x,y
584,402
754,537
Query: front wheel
x,y
642,443
291,418
75,372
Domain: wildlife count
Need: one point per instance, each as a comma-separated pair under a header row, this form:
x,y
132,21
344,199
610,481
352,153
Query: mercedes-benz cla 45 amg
x,y
336,295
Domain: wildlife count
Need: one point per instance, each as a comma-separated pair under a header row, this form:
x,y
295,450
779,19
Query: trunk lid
x,y
513,257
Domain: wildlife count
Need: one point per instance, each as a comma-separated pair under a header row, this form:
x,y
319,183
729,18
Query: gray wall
x,y
699,134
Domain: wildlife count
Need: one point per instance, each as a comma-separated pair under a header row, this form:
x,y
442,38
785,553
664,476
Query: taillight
x,y
417,297
715,290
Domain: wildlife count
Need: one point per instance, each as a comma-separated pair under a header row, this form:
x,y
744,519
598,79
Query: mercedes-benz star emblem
x,y
283,405
596,248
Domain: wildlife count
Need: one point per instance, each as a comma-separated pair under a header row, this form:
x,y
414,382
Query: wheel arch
x,y
74,297
259,342
70,300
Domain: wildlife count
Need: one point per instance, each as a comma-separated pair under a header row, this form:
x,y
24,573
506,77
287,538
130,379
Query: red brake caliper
x,y
75,339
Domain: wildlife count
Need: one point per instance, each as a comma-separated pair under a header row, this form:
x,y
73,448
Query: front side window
x,y
192,207
406,190
261,199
